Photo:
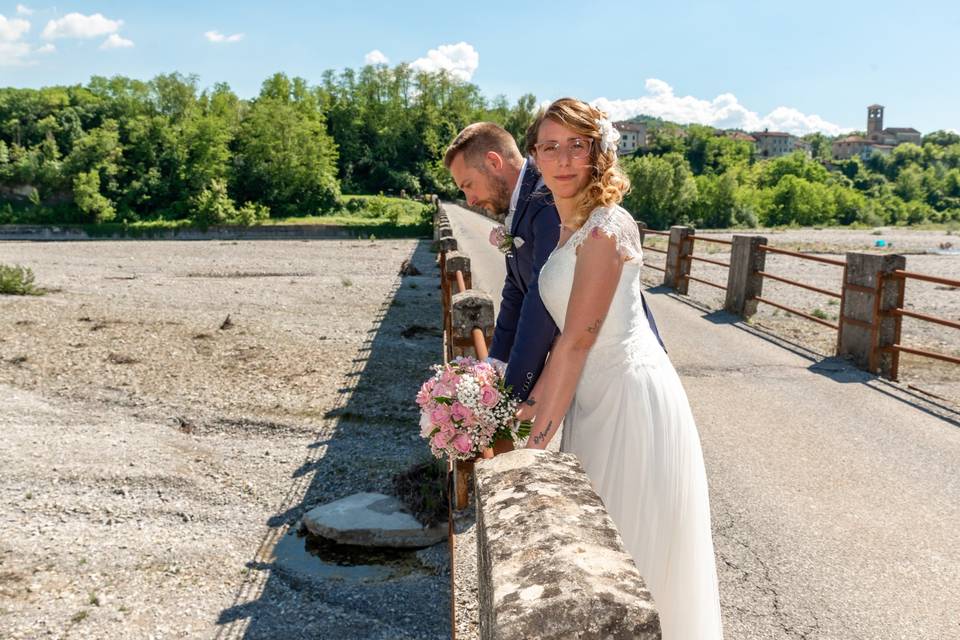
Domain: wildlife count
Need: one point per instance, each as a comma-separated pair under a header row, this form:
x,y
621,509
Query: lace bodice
x,y
614,222
626,323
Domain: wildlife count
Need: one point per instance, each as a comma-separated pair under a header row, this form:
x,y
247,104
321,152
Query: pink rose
x,y
450,379
497,235
440,416
462,444
460,412
441,439
443,390
425,395
489,397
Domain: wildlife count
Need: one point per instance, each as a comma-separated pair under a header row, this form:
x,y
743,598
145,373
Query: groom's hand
x,y
528,410
499,365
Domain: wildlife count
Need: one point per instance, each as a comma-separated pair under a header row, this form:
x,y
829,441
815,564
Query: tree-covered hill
x,y
129,150
124,149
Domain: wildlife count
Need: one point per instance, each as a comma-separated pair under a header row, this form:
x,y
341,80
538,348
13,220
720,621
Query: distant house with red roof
x,y
740,136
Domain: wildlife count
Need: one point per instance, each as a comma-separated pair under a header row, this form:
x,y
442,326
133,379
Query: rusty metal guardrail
x,y
643,234
901,276
691,257
833,294
868,328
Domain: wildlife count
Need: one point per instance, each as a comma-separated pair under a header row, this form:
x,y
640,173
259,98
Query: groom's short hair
x,y
479,138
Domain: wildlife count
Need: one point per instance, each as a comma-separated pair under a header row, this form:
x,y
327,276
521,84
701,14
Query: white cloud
x,y
375,57
13,51
13,54
460,59
723,112
47,48
116,42
216,36
77,25
24,10
12,28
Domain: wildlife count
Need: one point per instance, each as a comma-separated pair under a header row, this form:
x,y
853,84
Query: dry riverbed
x,y
170,409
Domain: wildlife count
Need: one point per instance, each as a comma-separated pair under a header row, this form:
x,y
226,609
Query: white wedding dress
x,y
631,426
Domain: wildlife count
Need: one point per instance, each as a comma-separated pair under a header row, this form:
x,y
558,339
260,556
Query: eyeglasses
x,y
577,148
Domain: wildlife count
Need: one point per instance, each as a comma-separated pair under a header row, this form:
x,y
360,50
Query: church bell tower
x,y
874,121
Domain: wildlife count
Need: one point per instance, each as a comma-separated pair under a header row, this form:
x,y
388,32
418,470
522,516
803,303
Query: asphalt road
x,y
835,495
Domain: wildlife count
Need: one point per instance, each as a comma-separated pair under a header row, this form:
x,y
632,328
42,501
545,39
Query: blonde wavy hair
x,y
608,183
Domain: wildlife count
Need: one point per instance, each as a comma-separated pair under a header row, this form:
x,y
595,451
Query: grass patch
x,y
361,215
423,490
18,281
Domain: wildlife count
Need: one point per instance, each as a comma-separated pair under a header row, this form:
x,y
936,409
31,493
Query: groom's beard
x,y
499,201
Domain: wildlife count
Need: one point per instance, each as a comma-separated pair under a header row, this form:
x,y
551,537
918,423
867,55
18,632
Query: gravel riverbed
x,y
171,409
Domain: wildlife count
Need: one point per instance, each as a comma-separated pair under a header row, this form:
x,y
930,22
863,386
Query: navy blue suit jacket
x,y
525,330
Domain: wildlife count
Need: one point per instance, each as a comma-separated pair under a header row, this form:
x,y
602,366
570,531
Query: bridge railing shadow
x,y
837,369
361,442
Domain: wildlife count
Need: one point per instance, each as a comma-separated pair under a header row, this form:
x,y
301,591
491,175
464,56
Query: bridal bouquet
x,y
464,407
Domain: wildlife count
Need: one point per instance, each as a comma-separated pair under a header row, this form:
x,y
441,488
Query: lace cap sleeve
x,y
613,222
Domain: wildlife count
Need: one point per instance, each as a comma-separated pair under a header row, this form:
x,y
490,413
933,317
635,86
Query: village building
x,y
633,136
773,144
877,140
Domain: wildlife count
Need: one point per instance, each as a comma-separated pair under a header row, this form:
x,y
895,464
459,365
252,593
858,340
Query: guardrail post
x,y
867,294
743,282
642,228
470,309
455,261
678,261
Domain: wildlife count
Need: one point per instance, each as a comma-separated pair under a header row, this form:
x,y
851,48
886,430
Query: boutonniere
x,y
503,241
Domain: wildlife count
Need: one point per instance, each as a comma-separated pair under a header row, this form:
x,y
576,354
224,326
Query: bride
x,y
624,411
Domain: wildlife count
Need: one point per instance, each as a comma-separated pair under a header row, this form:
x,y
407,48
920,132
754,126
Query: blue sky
x,y
795,66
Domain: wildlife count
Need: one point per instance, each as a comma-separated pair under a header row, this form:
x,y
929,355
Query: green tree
x,y
286,160
663,189
86,193
798,201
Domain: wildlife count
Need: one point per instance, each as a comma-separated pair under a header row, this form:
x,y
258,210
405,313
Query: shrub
x,y
17,281
212,205
423,489
251,213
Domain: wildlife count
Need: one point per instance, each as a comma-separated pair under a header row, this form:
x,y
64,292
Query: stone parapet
x,y
551,563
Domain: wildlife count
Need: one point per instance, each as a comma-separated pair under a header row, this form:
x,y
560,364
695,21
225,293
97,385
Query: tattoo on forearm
x,y
594,328
540,437
529,402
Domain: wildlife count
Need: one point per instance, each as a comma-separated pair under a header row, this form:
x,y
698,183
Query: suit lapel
x,y
530,178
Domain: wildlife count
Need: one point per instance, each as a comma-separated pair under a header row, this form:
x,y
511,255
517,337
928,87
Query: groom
x,y
488,167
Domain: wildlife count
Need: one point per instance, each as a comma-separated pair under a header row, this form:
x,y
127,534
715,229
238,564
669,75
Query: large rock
x,y
551,563
371,520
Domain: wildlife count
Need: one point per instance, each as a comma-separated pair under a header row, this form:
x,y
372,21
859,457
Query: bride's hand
x,y
528,410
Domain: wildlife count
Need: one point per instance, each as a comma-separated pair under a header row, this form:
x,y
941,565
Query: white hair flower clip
x,y
609,136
